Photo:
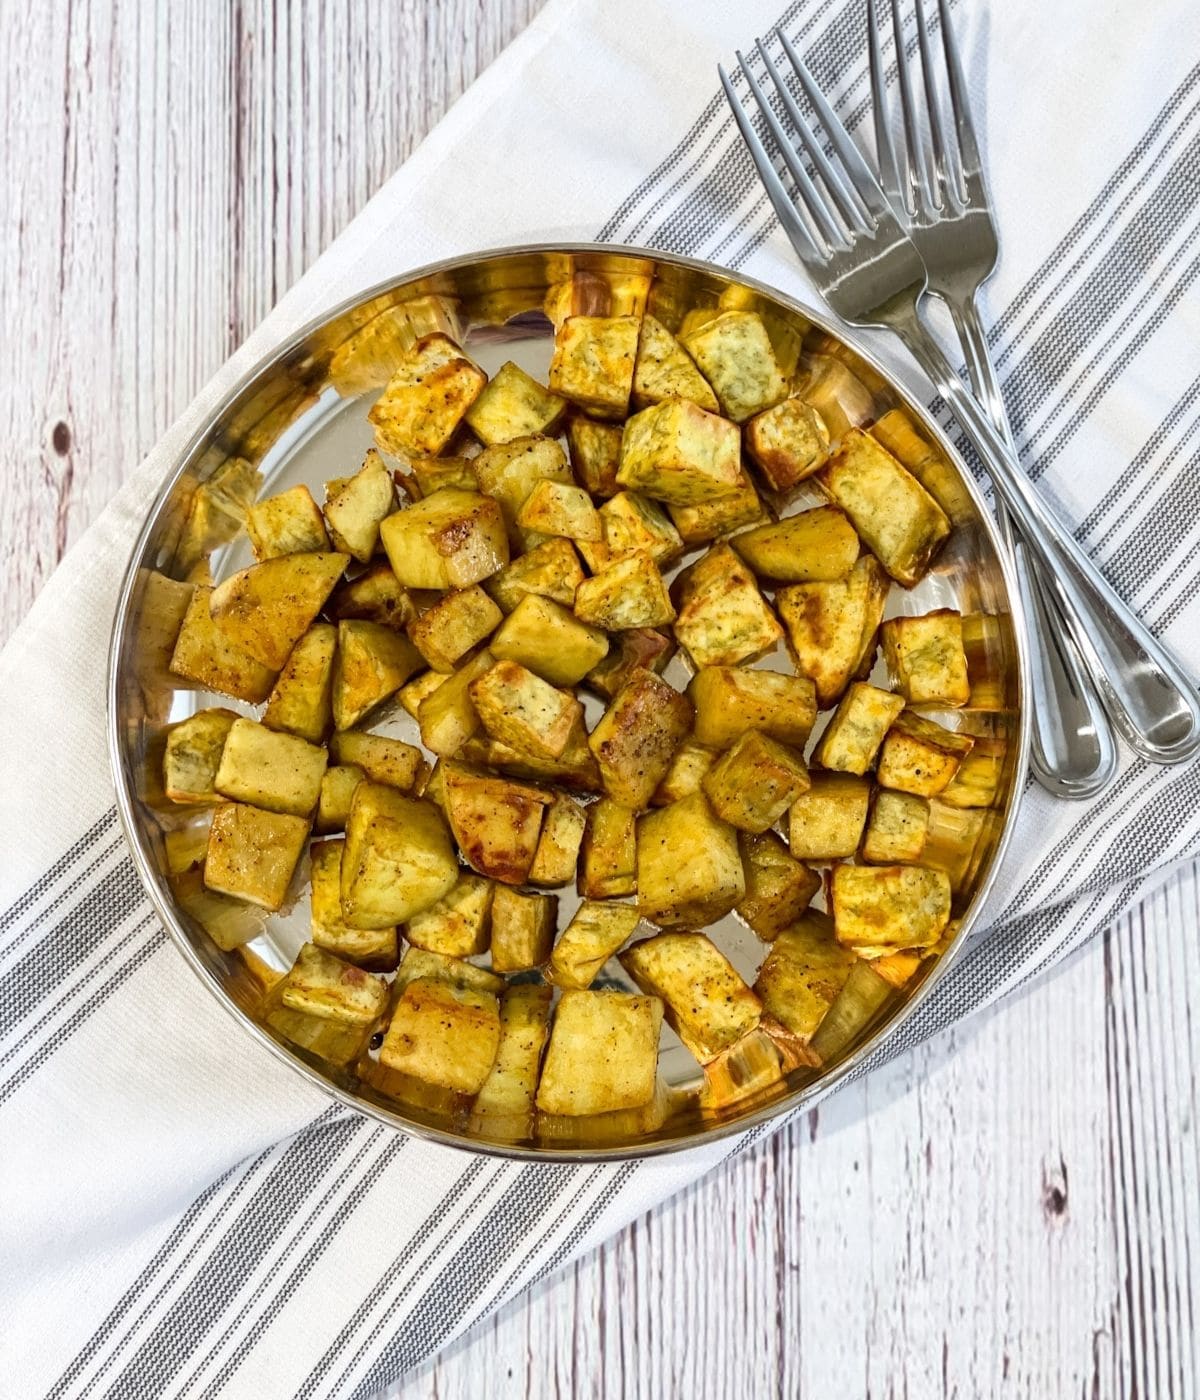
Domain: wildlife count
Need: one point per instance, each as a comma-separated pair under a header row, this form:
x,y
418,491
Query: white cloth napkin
x,y
182,1215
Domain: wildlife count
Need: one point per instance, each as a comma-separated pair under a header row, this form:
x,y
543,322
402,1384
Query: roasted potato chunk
x,y
398,859
278,772
447,716
193,755
788,443
779,888
550,570
252,853
897,519
206,655
495,821
514,405
889,906
288,523
689,870
803,974
815,545
519,708
443,1034
371,664
522,929
504,1105
925,658
597,930
574,768
451,539
557,508
754,783
411,695
896,830
707,1004
429,474
638,648
684,774
921,756
723,618
357,507
321,985
853,736
630,521
832,626
557,856
595,453
827,821
418,962
543,636
664,370
374,596
378,950
426,399
267,608
509,473
609,867
735,355
383,760
301,701
676,452
701,523
593,362
456,623
459,924
337,792
627,593
603,1053
635,738
730,701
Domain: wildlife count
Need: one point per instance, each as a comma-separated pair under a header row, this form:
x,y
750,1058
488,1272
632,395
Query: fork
x,y
948,216
869,271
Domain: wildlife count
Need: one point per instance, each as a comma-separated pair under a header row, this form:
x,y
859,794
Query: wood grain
x,y
1009,1210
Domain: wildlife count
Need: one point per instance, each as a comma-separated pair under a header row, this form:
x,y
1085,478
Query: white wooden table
x,y
1013,1209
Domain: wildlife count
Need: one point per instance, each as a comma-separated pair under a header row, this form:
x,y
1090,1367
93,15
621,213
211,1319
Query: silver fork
x,y
948,216
869,271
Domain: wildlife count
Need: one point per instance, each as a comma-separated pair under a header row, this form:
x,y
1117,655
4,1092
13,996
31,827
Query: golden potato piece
x,y
676,452
897,519
609,868
443,1034
603,1053
265,610
630,521
707,1004
689,870
543,636
459,924
779,888
495,821
853,736
426,399
358,507
451,539
755,782
337,792
921,756
549,570
383,760
519,708
735,355
730,701
597,930
505,1103
574,768
812,546
889,906
595,453
635,738
698,524
287,523
593,362
723,618
378,950
788,443
456,623
374,596
627,593
510,471
193,755
926,659
252,853
514,405
418,962
826,822
411,695
398,860
557,856
321,985
664,370
430,474
522,929
896,830
832,626
371,664
558,508
301,701
279,772
684,774
205,654
803,974
447,716
638,648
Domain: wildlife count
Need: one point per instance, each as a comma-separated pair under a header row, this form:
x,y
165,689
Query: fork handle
x,y
1151,700
1074,753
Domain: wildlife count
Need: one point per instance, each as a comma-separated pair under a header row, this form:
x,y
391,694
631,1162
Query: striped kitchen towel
x,y
182,1216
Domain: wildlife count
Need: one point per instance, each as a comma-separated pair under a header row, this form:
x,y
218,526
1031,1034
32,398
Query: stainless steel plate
x,y
301,417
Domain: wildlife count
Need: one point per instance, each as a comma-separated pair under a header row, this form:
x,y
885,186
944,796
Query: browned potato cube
x,y
504,1105
597,930
921,756
788,443
374,596
609,851
398,860
753,784
889,906
735,355
629,651
723,618
853,736
321,985
803,974
383,760
514,405
574,768
193,755
707,1004
603,1053
443,1034
495,821
593,362
206,655
677,452
371,664
458,924
896,830
358,505
664,370
628,592
827,821
519,708
510,471
550,570
778,887
267,608
378,950
419,962
832,626
635,738
279,772
449,540
684,774
425,400
814,545
595,453
301,701
337,792
252,853
897,519
430,474
289,523
630,521
557,856
730,701
689,870
522,929
543,636
444,633
411,695
926,659
701,523
557,508
446,716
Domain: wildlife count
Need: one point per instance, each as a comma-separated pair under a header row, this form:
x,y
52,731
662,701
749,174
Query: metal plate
x,y
301,417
